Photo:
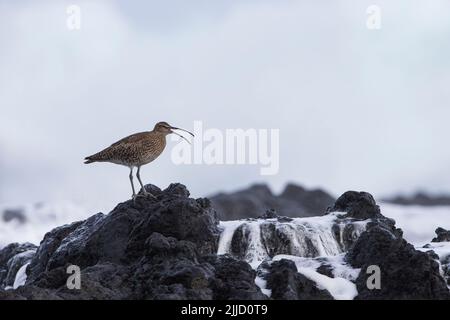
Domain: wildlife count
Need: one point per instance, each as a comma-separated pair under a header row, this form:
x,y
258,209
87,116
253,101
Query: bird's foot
x,y
144,194
147,194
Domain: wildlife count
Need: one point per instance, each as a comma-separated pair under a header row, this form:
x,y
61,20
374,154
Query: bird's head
x,y
165,128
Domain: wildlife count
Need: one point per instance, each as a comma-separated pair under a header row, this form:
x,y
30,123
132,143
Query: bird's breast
x,y
153,148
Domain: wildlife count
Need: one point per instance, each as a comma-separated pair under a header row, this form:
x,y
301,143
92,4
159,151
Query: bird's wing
x,y
130,139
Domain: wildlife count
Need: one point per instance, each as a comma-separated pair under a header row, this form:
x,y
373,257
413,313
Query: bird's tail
x,y
88,160
97,157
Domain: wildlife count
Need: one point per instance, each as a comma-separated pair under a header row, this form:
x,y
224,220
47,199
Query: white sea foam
x,y
228,228
39,219
262,284
341,286
312,241
308,237
418,222
21,276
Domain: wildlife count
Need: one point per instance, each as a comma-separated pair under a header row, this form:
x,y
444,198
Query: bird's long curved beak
x,y
175,128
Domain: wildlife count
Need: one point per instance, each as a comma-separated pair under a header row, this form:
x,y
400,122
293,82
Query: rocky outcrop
x,y
294,201
421,199
405,273
442,235
439,250
147,249
14,214
287,284
331,234
174,247
12,258
234,278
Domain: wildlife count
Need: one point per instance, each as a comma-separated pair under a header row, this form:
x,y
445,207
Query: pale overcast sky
x,y
356,108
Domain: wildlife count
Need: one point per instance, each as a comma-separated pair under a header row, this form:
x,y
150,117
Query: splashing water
x,y
21,276
309,242
302,237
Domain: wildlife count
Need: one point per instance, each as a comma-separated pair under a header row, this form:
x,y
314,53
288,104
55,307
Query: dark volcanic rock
x,y
421,199
239,242
287,284
269,214
314,202
283,235
234,278
405,272
170,269
180,217
12,257
14,214
52,241
442,235
248,203
294,201
326,270
272,214
122,234
358,205
165,248
144,249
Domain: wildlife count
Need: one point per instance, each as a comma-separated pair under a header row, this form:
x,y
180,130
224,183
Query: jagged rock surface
x,y
405,273
421,199
165,248
12,258
442,235
147,249
287,284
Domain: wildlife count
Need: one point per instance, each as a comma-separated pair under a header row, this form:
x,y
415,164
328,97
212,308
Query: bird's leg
x,y
132,185
138,175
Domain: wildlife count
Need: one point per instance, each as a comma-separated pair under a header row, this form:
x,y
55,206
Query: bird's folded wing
x,y
131,139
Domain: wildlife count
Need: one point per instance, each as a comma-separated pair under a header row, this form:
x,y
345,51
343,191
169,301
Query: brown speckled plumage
x,y
136,150
133,151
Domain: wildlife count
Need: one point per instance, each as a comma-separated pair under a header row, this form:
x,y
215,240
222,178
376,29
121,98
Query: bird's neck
x,y
159,134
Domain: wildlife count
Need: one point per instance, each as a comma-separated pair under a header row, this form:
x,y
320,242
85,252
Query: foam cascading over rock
x,y
256,240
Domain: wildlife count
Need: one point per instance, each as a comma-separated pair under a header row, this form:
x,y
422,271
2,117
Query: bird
x,y
137,150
